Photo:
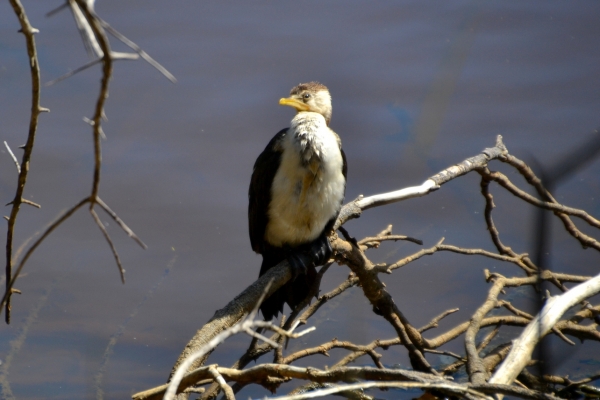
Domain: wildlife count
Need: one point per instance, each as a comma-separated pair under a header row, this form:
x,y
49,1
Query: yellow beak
x,y
297,104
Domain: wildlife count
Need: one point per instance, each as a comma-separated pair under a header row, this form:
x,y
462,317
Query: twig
x,y
548,205
488,338
139,50
477,372
334,344
529,268
554,308
224,386
30,203
73,72
348,283
28,31
382,302
434,322
357,206
444,353
532,179
47,232
370,241
120,222
262,374
384,344
243,326
99,34
447,387
13,157
110,243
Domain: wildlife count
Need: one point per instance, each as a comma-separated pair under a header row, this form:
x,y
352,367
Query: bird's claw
x,y
299,263
318,253
321,251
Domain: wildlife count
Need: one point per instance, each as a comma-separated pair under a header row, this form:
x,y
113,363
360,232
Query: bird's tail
x,y
292,293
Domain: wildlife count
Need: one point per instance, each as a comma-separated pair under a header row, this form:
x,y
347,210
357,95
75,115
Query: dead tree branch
x,y
349,252
29,32
355,208
92,29
554,308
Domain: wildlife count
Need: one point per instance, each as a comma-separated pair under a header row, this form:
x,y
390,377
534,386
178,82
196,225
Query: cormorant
x,y
296,192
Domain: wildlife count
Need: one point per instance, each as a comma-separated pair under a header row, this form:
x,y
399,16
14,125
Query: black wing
x,y
344,165
259,194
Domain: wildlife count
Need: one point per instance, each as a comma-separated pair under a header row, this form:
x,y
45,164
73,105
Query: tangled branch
x,y
479,359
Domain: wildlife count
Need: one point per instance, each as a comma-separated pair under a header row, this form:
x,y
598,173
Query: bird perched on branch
x,y
296,193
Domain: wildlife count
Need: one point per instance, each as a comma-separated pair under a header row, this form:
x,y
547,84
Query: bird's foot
x,y
315,254
320,250
299,262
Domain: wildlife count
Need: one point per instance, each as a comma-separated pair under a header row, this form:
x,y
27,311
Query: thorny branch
x,y
480,360
28,31
92,29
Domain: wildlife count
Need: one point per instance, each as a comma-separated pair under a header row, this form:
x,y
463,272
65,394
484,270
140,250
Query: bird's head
x,y
311,96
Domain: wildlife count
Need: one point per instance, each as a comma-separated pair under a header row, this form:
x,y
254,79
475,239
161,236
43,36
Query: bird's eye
x,y
306,96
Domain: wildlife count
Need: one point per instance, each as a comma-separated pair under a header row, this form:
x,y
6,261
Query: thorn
x,y
33,30
31,203
88,121
6,218
43,109
13,290
22,146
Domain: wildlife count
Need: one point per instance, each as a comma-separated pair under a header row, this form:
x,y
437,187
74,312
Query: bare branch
x,y
264,373
532,179
29,32
357,206
73,72
224,386
434,322
477,372
30,203
120,222
100,36
447,387
110,243
235,310
334,344
241,327
548,205
13,157
375,240
554,308
34,246
139,50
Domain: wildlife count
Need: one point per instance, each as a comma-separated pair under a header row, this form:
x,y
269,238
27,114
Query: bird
x,y
296,192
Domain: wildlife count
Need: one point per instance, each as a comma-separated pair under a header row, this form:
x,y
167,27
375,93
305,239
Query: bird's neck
x,y
308,129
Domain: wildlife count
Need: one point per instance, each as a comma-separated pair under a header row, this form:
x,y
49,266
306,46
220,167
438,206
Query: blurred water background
x,y
416,86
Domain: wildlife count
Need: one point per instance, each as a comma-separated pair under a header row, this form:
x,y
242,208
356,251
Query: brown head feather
x,y
310,86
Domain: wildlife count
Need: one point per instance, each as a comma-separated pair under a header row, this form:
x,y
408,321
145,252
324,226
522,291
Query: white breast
x,y
308,188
